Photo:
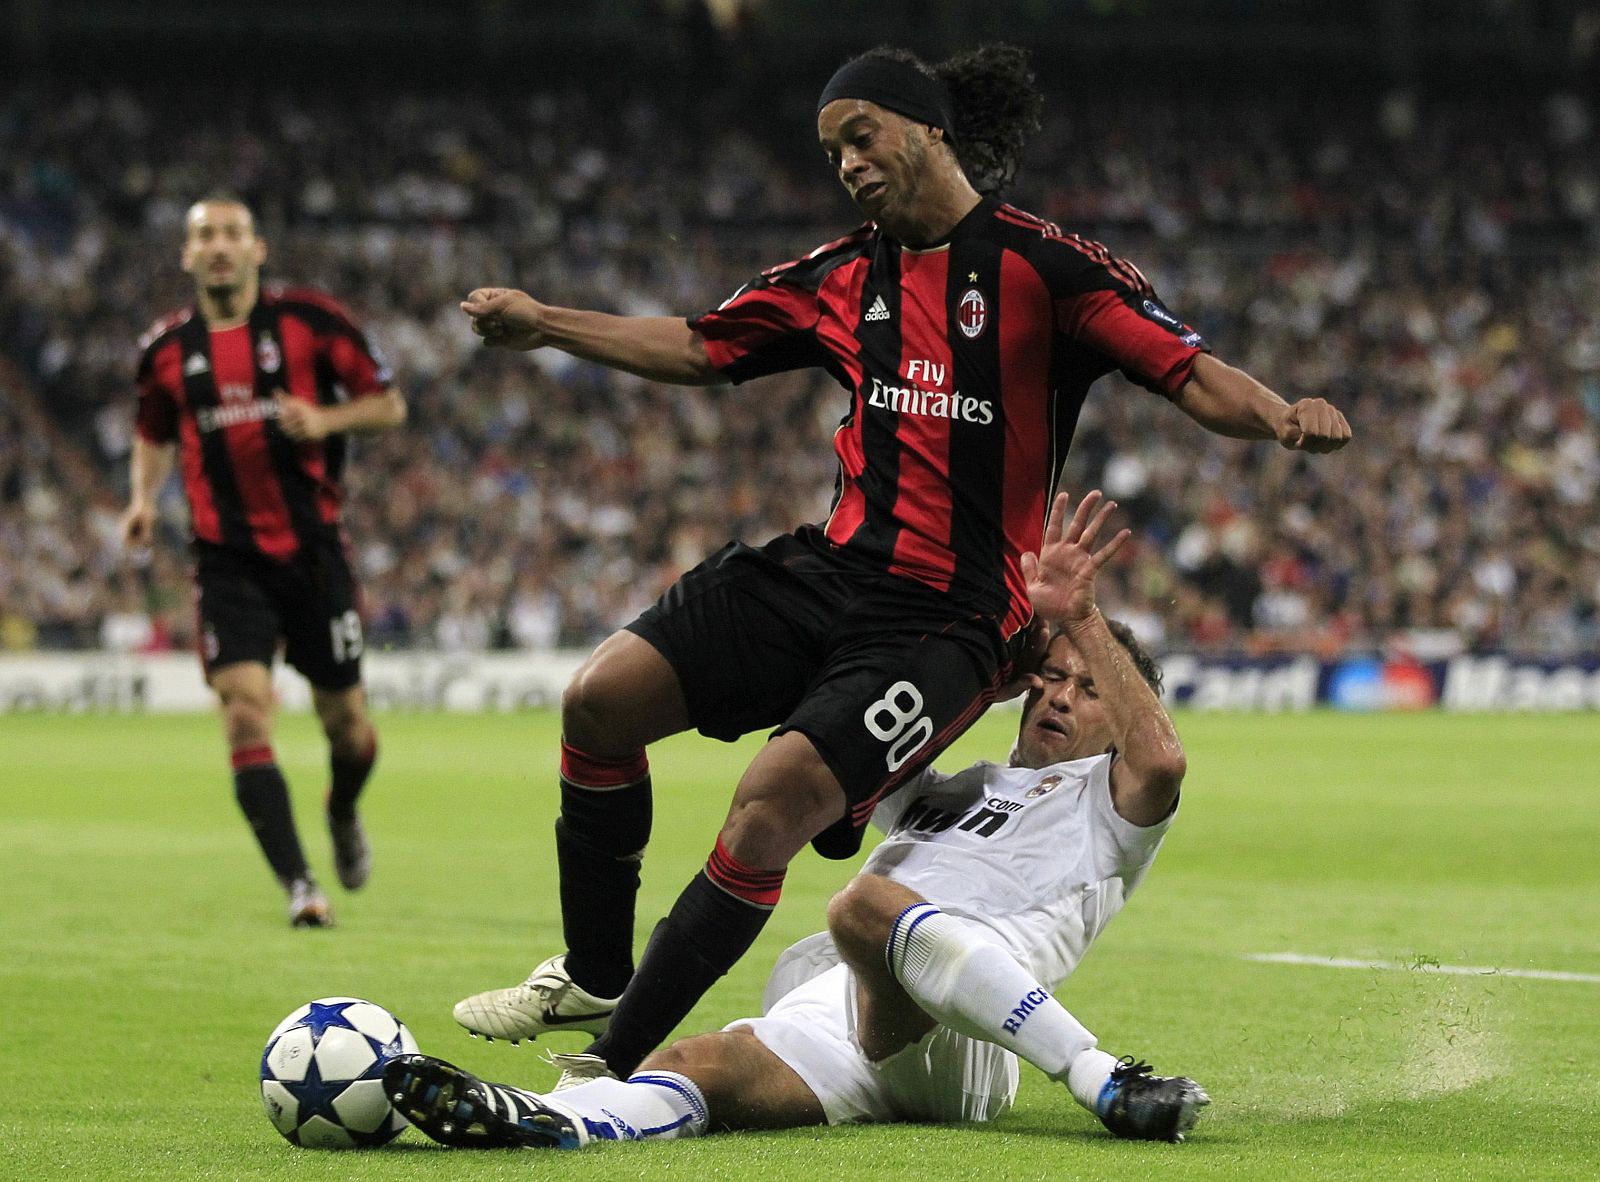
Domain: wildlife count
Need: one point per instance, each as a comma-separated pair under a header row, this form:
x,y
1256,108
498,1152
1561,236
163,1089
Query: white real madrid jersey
x,y
1038,855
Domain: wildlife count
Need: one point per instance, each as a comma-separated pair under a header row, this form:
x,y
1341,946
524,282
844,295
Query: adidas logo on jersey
x,y
197,364
878,311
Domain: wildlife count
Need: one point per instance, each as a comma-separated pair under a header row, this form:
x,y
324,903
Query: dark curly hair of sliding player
x,y
995,103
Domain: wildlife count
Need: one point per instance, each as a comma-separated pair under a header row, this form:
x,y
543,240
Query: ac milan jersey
x,y
250,486
968,364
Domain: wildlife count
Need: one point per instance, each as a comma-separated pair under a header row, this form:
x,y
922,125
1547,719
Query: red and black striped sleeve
x,y
156,420
356,363
1106,304
770,324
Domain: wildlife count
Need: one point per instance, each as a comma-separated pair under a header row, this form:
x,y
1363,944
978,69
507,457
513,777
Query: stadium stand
x,y
1433,268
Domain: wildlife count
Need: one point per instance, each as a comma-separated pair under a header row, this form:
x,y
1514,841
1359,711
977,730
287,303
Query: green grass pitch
x,y
144,955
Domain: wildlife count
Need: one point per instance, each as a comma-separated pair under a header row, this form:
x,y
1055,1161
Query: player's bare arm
x,y
150,466
1150,763
1230,402
660,348
308,422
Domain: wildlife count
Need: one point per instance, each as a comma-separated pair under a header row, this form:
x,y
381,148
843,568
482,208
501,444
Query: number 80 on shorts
x,y
897,719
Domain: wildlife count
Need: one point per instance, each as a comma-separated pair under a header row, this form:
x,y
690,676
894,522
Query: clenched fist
x,y
505,318
1314,425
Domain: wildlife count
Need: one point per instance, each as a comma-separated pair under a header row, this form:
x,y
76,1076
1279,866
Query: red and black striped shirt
x,y
968,364
250,486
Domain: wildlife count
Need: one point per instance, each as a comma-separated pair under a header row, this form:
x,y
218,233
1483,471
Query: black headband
x,y
896,85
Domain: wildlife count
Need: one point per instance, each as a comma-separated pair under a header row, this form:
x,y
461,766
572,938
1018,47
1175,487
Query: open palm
x,y
1061,576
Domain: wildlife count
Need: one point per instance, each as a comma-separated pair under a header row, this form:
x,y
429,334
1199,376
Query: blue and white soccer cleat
x,y
458,1109
1145,1107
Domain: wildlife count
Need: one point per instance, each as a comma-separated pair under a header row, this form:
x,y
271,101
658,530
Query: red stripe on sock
x,y
582,770
248,757
761,887
737,869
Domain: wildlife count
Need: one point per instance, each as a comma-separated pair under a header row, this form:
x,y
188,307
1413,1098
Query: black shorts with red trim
x,y
879,672
249,603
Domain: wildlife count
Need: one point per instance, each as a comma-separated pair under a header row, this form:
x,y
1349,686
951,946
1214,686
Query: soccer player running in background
x,y
967,333
255,390
942,955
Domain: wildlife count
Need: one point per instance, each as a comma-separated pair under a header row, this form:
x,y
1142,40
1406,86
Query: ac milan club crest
x,y
268,358
972,314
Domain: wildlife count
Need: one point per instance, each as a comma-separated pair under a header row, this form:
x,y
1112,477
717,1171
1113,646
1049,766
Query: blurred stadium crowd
x,y
1434,269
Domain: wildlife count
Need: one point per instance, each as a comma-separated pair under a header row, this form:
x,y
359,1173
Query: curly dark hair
x,y
1142,660
995,103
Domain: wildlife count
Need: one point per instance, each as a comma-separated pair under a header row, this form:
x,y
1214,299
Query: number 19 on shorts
x,y
897,719
345,631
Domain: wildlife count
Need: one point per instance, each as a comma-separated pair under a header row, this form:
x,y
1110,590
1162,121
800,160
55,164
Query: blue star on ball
x,y
316,1097
323,1016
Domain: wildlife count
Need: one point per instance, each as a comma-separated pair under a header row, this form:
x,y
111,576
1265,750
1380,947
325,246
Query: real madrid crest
x,y
268,358
972,313
1048,784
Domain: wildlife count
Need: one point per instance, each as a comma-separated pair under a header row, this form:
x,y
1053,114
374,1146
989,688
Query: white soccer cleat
x,y
579,1069
548,1000
308,906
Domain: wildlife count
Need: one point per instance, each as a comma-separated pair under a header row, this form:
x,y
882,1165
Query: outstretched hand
x,y
505,318
1061,577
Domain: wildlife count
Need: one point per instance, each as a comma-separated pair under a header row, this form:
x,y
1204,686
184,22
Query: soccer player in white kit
x,y
942,955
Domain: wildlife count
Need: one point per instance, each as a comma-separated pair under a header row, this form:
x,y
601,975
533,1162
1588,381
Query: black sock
x,y
347,778
704,935
263,795
600,840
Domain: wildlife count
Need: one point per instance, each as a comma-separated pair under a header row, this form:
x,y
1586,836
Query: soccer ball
x,y
322,1074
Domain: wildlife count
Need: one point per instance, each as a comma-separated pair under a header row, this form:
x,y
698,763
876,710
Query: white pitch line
x,y
1456,970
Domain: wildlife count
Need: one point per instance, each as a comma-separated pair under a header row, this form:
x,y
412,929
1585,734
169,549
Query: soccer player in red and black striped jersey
x,y
967,334
254,390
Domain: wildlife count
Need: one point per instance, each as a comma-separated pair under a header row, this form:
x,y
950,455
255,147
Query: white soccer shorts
x,y
945,1077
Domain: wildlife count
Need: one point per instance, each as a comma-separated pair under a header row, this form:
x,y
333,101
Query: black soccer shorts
x,y
879,672
247,603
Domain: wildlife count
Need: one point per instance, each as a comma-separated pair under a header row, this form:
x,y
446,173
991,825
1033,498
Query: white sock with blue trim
x,y
653,1105
977,987
1088,1076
